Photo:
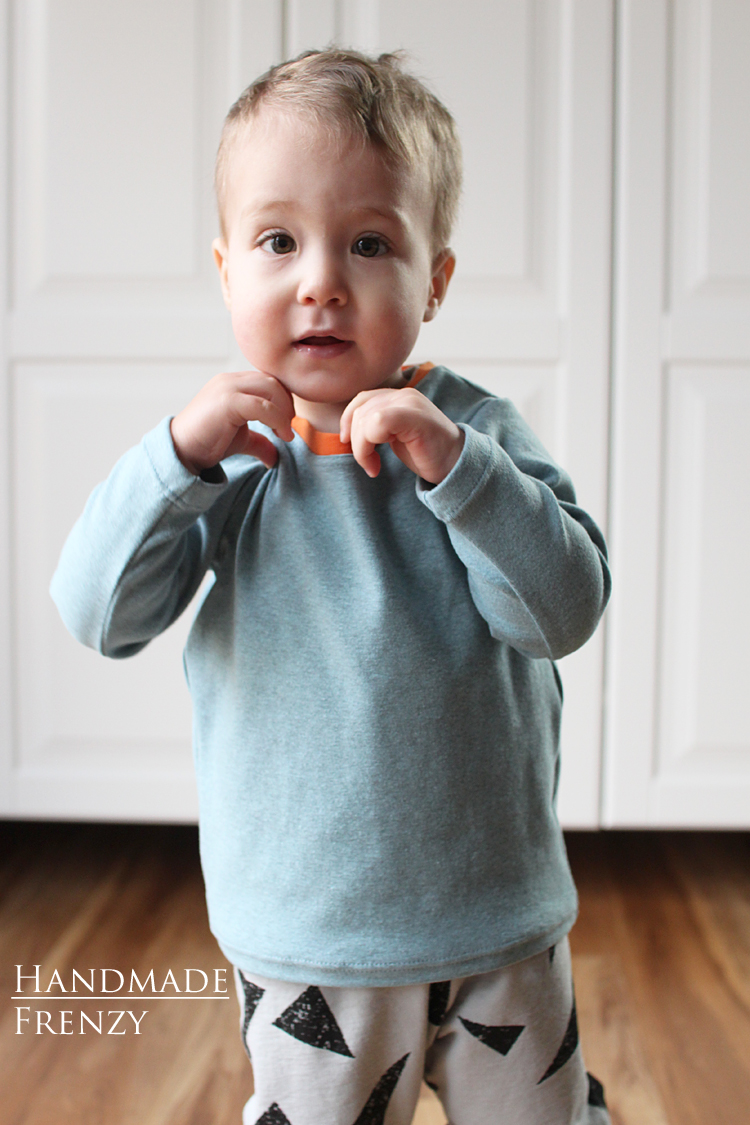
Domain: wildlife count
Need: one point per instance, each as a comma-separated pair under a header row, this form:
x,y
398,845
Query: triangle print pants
x,y
500,1048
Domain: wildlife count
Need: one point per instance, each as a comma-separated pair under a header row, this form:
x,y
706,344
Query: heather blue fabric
x,y
376,711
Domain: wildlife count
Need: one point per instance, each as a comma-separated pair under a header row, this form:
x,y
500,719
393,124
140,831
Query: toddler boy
x,y
397,564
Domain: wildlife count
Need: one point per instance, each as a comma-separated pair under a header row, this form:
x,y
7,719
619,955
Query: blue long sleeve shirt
x,y
376,708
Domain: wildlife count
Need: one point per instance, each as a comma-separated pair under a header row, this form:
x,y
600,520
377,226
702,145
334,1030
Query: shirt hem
x,y
393,975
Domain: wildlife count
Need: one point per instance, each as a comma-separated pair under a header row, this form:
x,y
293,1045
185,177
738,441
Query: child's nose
x,y
323,281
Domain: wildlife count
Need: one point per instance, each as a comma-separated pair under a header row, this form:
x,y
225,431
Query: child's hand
x,y
417,432
214,424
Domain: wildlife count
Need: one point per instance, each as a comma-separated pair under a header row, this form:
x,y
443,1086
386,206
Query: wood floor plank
x,y
612,1043
714,877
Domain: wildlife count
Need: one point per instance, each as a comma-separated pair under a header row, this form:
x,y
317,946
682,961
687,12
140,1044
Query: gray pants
x,y
500,1048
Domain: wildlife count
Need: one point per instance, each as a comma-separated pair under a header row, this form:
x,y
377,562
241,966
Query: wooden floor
x,y
661,960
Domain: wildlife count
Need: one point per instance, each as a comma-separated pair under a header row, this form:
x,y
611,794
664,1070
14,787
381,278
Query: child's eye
x,y
370,246
278,243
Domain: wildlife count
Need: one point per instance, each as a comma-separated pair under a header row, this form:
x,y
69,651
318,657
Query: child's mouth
x,y
324,347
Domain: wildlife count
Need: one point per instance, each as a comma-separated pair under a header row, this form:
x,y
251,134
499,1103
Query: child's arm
x,y
147,535
536,562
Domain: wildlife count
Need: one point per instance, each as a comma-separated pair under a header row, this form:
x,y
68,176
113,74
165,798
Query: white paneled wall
x,y
114,318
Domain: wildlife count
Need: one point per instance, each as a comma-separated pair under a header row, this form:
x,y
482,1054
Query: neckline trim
x,y
326,444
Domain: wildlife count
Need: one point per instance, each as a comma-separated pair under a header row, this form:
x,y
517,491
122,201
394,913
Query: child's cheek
x,y
254,334
247,341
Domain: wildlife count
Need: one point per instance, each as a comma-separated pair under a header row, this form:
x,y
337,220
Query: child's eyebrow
x,y
393,215
261,209
366,210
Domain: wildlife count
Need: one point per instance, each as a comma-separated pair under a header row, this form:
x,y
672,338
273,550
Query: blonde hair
x,y
369,98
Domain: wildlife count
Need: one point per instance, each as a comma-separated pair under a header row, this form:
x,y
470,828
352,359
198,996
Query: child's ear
x,y
220,257
442,272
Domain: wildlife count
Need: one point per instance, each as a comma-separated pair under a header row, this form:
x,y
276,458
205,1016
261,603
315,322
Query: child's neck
x,y
323,416
326,416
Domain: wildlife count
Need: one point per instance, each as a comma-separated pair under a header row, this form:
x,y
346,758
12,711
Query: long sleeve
x,y
138,553
537,564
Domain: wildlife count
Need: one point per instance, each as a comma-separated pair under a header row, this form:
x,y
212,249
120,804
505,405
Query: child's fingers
x,y
382,416
255,397
245,408
368,457
206,430
418,432
374,423
363,449
345,425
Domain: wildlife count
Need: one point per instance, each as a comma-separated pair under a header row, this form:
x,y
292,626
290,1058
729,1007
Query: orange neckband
x,y
326,444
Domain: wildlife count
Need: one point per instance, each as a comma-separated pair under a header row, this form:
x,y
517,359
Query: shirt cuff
x,y
447,499
179,483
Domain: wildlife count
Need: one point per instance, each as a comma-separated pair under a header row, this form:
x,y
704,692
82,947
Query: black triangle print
x,y
567,1047
253,993
551,954
501,1039
310,1020
377,1103
596,1092
273,1116
438,1002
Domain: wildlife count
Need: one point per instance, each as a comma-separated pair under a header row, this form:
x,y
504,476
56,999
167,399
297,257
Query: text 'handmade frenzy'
x,y
108,985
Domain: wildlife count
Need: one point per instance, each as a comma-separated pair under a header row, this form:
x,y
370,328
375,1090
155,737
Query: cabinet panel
x,y
705,706
711,150
678,727
708,285
117,111
126,207
110,146
7,655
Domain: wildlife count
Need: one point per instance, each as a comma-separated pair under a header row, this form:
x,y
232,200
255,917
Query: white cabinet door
x,y
115,316
678,739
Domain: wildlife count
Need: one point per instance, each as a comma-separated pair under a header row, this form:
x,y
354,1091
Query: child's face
x,y
327,266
